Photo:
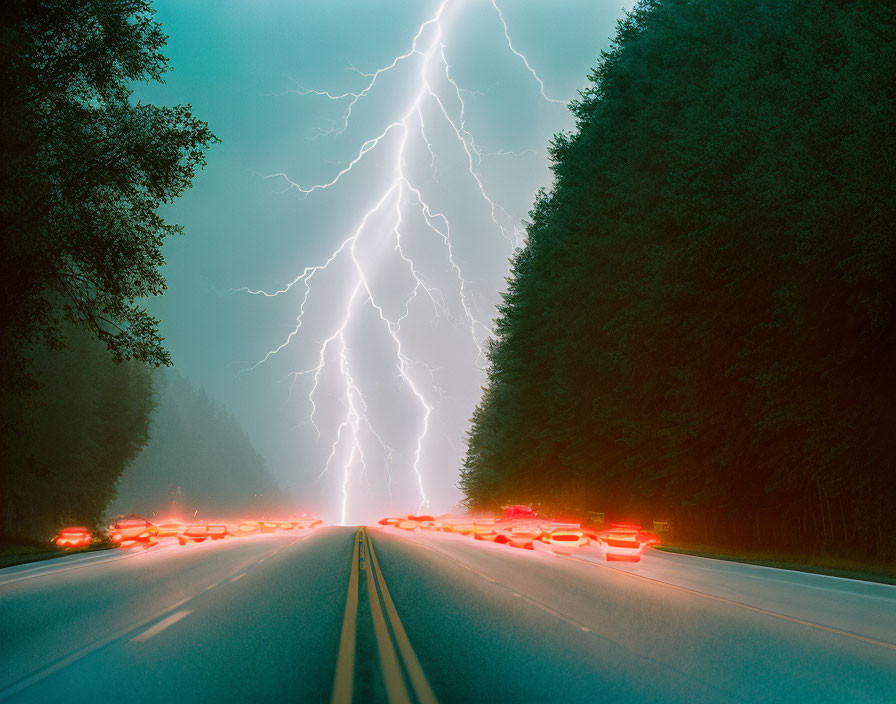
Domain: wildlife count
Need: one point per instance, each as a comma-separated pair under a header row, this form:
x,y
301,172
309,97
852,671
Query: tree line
x,y
198,462
100,438
87,421
700,327
84,169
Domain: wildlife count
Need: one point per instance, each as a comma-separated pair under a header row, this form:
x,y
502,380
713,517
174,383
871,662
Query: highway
x,y
428,617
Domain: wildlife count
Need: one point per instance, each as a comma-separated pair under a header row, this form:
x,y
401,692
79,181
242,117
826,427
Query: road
x,y
288,618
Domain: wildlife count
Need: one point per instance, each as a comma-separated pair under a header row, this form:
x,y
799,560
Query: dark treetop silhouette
x,y
83,170
701,325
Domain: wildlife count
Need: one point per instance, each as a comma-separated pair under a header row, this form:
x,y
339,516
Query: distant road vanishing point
x,y
357,615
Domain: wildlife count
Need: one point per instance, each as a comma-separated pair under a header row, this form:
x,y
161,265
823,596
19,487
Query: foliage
x,y
86,423
83,170
198,459
701,325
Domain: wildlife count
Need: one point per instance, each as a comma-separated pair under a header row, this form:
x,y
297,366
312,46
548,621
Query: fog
x,y
247,68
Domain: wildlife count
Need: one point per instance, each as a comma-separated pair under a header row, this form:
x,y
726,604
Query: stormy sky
x,y
417,232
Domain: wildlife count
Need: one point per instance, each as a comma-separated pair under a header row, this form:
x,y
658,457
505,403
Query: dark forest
x,y
701,326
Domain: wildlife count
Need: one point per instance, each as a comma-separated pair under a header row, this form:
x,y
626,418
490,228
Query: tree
x,y
83,171
702,323
75,435
198,459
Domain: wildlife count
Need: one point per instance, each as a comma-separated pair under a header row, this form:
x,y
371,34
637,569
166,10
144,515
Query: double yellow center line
x,y
394,664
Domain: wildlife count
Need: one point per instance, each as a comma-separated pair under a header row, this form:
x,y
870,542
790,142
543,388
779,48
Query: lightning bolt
x,y
401,195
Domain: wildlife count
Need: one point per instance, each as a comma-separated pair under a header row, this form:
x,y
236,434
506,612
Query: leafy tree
x,y
88,420
83,170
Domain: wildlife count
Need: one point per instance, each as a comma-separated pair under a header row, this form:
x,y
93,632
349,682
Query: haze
x,y
236,64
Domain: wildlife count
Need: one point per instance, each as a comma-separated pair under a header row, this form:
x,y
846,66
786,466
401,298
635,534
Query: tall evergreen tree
x,y
701,324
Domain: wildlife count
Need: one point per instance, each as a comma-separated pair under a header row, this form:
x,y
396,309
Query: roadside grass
x,y
866,570
19,554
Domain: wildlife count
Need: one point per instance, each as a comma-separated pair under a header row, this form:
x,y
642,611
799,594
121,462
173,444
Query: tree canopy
x,y
75,435
83,170
701,325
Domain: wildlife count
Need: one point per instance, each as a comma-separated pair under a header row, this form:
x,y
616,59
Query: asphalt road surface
x,y
434,617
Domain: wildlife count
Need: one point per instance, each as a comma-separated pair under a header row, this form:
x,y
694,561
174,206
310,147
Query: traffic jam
x,y
138,531
521,528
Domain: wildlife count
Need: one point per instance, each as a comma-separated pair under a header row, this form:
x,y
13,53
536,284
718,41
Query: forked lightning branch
x,y
435,91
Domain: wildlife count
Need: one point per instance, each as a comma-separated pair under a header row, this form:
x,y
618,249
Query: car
x,y
524,535
195,533
447,522
306,523
464,526
413,522
247,528
425,522
73,537
132,530
563,538
484,529
647,537
217,531
503,528
409,523
390,521
268,526
519,511
622,543
170,528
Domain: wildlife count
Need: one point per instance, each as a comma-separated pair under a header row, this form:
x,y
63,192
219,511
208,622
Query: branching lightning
x,y
399,196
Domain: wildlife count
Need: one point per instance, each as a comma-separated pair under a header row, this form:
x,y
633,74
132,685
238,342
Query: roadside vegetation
x,y
198,459
701,326
23,552
84,168
868,570
85,422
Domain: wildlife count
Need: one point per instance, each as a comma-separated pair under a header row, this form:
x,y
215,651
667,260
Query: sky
x,y
397,178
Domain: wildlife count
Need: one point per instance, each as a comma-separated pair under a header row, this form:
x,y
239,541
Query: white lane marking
x,y
161,626
798,579
282,547
534,602
210,587
664,557
439,552
239,576
156,549
48,571
73,657
758,610
797,585
671,555
35,677
58,561
603,636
